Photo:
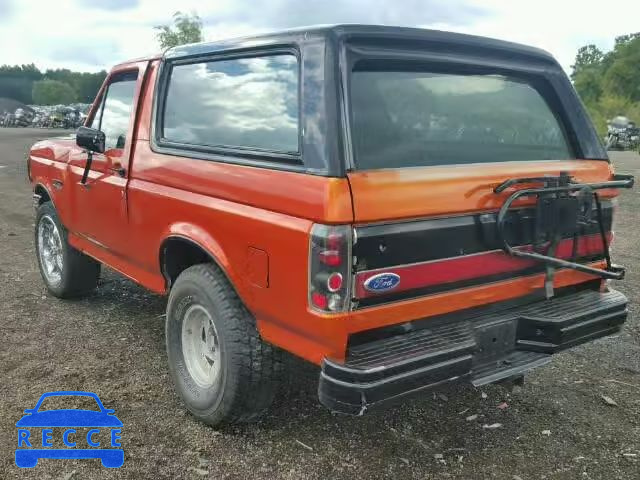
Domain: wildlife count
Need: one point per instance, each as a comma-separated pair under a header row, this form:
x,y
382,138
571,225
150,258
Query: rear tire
x,y
221,368
74,274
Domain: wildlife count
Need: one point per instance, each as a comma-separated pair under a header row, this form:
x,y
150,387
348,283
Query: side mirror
x,y
91,139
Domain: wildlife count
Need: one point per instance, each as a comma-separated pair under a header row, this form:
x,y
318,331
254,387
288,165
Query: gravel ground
x,y
556,427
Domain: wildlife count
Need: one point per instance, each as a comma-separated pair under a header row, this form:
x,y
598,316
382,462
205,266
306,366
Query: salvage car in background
x,y
404,208
23,117
49,116
622,134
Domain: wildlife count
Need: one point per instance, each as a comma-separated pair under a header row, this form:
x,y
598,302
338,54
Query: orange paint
x,y
448,302
395,194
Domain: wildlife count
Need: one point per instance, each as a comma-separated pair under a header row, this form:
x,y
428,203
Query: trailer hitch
x,y
563,207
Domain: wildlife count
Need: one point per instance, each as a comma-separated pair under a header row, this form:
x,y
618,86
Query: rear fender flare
x,y
202,239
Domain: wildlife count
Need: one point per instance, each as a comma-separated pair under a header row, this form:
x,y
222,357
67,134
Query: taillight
x,y
330,268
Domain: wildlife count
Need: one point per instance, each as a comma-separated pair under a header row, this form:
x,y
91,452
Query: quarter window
x,y
244,103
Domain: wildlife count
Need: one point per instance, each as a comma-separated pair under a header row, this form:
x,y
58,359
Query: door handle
x,y
119,170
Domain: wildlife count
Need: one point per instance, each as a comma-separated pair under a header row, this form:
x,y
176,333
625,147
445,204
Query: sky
x,y
90,35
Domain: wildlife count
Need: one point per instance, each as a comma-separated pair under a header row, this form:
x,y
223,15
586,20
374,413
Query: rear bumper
x,y
479,347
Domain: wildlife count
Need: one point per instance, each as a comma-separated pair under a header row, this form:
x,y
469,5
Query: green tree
x,y
622,39
88,84
16,88
16,81
623,76
53,92
609,83
588,57
589,84
187,28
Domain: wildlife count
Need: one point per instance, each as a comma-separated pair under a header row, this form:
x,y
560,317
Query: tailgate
x,y
431,139
427,230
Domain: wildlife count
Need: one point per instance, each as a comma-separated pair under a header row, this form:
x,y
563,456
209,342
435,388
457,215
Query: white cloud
x,y
91,35
560,27
247,101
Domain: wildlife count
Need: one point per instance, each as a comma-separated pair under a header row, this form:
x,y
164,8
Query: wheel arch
x,y
43,194
179,251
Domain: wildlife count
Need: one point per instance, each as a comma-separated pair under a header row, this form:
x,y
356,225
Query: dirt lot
x,y
556,427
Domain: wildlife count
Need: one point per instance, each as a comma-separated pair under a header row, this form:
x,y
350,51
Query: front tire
x,y
66,272
221,368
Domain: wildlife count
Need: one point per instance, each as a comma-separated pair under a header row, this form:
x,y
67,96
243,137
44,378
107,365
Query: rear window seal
x,y
554,81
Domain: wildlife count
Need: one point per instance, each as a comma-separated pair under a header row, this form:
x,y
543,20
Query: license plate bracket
x,y
556,216
494,341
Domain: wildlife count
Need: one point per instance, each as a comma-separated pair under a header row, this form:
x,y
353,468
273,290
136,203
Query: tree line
x,y
27,84
609,82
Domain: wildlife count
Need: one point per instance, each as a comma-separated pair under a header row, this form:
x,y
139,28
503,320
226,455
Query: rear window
x,y
411,119
249,103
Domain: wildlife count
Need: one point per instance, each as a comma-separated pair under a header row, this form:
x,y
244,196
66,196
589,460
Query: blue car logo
x,y
382,282
39,431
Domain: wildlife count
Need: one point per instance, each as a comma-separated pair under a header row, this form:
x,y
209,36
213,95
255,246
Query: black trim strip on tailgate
x,y
387,245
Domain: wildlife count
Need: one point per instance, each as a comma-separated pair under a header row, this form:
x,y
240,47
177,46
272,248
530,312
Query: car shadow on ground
x,y
297,404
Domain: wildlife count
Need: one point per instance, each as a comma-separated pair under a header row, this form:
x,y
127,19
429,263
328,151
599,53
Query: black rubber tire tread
x,y
80,272
252,368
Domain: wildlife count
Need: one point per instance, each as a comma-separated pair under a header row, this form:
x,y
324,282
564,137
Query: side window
x,y
115,110
246,102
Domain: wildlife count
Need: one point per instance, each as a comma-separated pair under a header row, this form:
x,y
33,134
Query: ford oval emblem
x,y
382,282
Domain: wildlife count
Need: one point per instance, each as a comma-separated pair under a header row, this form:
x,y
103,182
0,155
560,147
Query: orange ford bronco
x,y
402,207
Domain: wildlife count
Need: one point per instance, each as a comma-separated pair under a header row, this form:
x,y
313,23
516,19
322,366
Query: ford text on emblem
x,y
382,282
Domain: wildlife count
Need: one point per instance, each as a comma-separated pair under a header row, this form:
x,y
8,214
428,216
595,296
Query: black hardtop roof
x,y
346,32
